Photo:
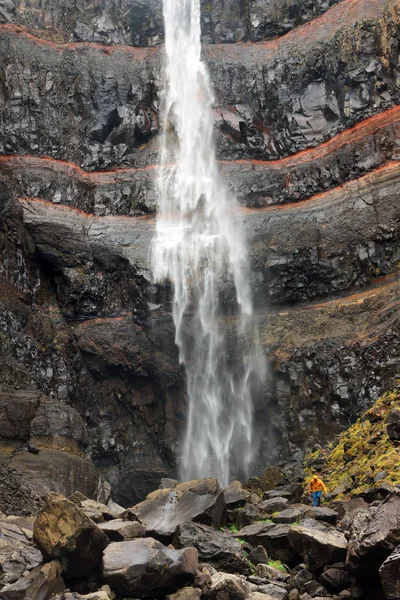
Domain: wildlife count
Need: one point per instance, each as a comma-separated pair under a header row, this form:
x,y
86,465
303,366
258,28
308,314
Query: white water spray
x,y
201,250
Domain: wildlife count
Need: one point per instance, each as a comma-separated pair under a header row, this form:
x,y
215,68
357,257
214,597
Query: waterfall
x,y
199,247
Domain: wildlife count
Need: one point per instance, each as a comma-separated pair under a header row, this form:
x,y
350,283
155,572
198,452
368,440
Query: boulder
x,y
291,515
11,532
335,580
268,572
302,578
393,425
317,543
164,510
145,568
253,533
25,524
119,530
40,584
377,539
187,593
321,513
17,558
228,587
248,515
97,511
219,549
390,575
274,590
235,496
63,531
274,505
274,538
258,556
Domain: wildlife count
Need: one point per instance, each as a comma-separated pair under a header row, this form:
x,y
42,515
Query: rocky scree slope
x,y
193,540
307,135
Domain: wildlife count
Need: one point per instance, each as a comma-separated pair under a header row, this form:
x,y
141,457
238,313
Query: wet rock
x,y
17,558
235,496
63,531
389,573
40,584
393,425
265,571
274,590
335,580
291,515
320,513
164,510
378,537
274,505
248,515
119,530
145,568
187,593
258,556
97,511
318,544
228,586
219,549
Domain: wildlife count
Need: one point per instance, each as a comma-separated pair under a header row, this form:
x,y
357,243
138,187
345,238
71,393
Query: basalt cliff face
x,y
307,125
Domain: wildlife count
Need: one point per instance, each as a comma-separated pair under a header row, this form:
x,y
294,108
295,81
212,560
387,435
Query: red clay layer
x,y
349,136
387,169
137,52
358,297
342,15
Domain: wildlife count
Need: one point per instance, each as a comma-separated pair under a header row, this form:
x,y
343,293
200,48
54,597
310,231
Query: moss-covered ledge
x,y
364,458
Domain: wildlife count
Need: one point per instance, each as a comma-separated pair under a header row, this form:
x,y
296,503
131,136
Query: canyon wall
x,y
307,125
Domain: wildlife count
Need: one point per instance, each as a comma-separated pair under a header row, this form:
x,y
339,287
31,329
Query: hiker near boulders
x,y
316,487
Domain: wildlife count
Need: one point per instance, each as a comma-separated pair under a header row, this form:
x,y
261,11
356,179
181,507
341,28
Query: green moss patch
x,y
362,452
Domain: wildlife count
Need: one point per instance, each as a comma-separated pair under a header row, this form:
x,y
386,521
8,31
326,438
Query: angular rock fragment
x,y
63,531
164,510
390,575
291,514
235,496
219,549
15,559
318,544
145,568
258,556
228,587
40,584
335,580
377,539
119,530
274,505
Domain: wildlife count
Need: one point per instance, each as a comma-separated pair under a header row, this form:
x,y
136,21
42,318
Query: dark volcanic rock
x,y
389,574
140,22
393,425
318,544
62,530
164,510
377,539
40,584
335,580
119,530
145,568
219,549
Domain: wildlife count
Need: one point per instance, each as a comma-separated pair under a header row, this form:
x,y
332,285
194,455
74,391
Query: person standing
x,y
316,487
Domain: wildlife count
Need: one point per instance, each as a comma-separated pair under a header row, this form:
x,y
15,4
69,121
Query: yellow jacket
x,y
317,485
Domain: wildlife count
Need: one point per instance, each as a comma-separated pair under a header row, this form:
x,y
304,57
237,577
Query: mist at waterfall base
x,y
200,248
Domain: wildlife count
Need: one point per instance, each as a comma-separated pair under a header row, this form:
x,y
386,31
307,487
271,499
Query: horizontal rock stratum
x,y
307,125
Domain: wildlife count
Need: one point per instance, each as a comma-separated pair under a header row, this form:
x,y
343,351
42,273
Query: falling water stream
x,y
199,246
